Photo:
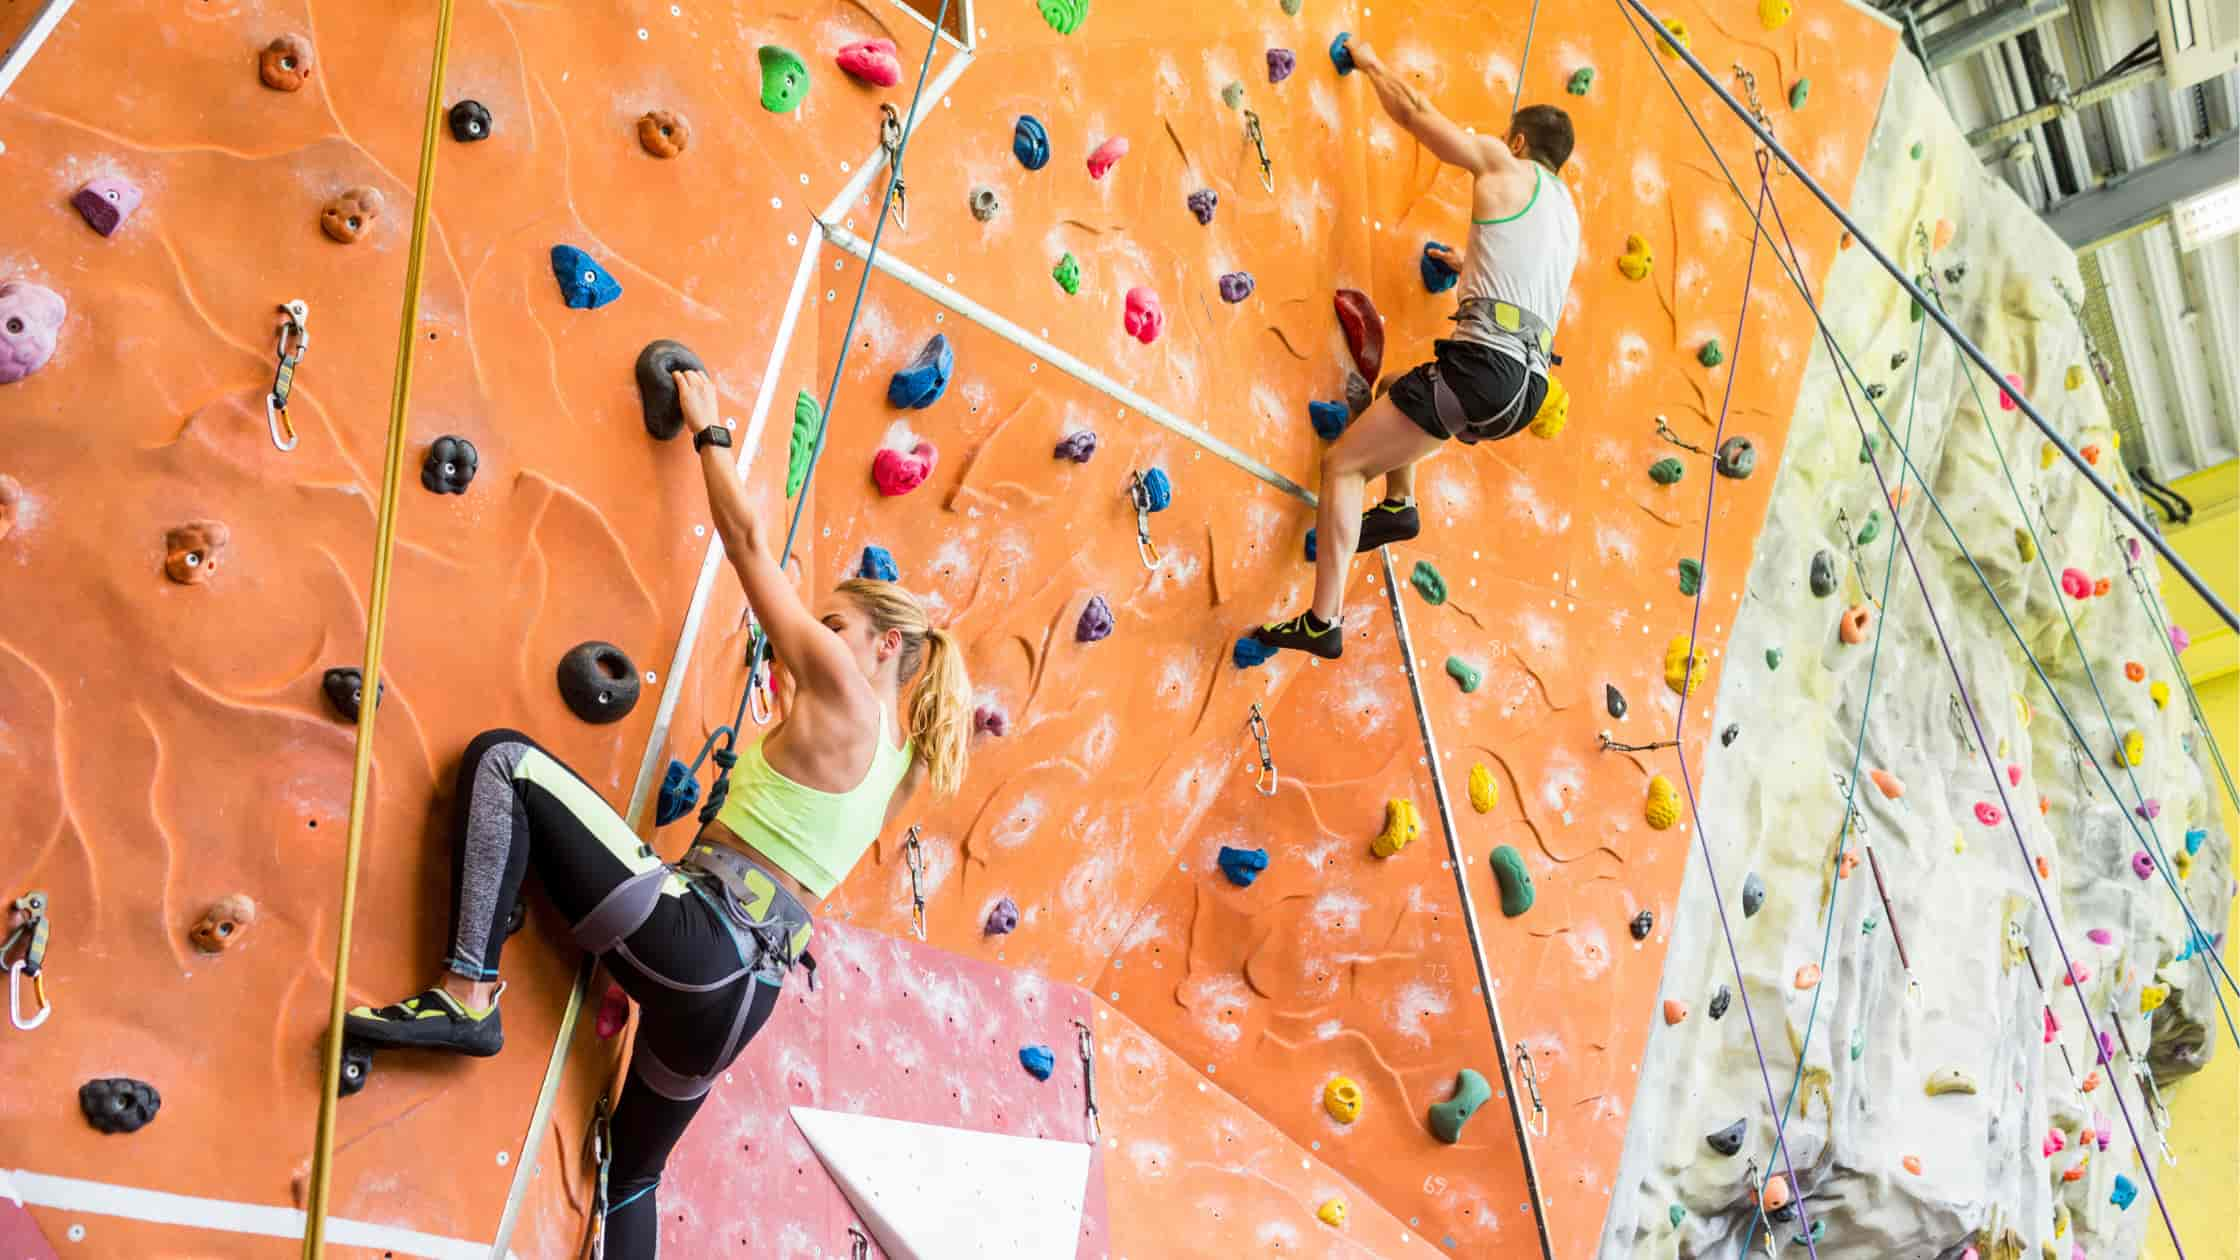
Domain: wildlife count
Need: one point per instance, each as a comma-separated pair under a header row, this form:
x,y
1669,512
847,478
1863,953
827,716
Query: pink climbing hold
x,y
2100,936
2075,584
900,472
2052,1025
1143,318
1364,330
990,719
2010,392
2142,864
1988,814
30,319
106,203
2149,809
1107,156
2054,1143
614,1011
870,61
2014,775
2078,974
2179,639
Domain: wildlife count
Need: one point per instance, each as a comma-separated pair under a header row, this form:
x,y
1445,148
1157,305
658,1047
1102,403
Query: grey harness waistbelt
x,y
1490,321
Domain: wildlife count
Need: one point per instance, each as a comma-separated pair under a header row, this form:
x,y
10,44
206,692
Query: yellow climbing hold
x,y
2047,454
1679,664
2152,996
1773,14
1485,793
1678,35
1663,806
1635,263
2025,546
2115,439
1949,1081
2134,748
2182,863
2159,692
2022,708
1555,410
2073,378
1400,826
1342,1099
1332,1213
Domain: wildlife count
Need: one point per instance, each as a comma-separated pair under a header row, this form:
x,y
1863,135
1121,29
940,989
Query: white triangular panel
x,y
928,1192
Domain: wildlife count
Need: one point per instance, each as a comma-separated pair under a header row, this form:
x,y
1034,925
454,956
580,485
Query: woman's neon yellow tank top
x,y
816,837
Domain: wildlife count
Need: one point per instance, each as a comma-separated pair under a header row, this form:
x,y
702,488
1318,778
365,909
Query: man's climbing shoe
x,y
432,1020
1389,522
1304,633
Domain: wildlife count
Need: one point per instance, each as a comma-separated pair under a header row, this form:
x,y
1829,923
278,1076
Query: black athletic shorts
x,y
1499,395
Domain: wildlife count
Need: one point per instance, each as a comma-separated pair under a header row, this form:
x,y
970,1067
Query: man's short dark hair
x,y
1547,134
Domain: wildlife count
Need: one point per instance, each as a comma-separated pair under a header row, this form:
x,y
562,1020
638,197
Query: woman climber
x,y
1483,384
703,944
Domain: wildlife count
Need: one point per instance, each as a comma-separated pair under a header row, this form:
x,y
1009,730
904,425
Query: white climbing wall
x,y
929,1191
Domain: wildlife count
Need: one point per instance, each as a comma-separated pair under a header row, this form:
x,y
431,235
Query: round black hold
x,y
1727,1141
1729,735
1643,924
118,1104
450,465
598,682
1614,700
1823,574
357,1067
470,121
1720,1000
657,390
346,690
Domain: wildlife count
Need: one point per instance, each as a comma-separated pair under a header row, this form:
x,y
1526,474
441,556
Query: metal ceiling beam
x,y
1966,38
2007,128
2144,195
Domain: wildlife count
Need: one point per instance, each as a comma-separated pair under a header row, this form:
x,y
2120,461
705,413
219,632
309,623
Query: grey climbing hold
x,y
1720,1000
1095,623
1003,918
1470,1093
1823,574
118,1104
450,465
1737,458
1232,93
1077,447
1643,924
345,690
1753,894
1613,700
470,121
985,204
598,682
1728,1141
1358,395
1202,203
657,389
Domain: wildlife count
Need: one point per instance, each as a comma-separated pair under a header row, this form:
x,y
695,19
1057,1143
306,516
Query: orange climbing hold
x,y
1776,1195
2134,671
1887,783
1912,1164
2091,454
1808,977
1857,619
1846,864
1942,236
1675,1010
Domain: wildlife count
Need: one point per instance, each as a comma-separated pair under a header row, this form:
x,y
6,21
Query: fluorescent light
x,y
2212,216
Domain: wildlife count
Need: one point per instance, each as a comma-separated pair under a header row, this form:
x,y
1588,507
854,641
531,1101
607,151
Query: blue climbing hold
x,y
1030,143
679,793
1038,1061
1158,489
1340,55
2195,837
1242,866
2126,1190
1438,277
921,384
1329,420
584,284
1310,546
878,562
1251,652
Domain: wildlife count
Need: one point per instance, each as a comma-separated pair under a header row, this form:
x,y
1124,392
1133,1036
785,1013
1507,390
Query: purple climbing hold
x,y
990,719
1003,918
107,202
2107,1045
1095,623
1251,652
1236,286
30,319
1281,63
1077,447
1202,202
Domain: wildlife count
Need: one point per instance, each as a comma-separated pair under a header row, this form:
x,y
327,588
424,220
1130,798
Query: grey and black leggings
x,y
700,998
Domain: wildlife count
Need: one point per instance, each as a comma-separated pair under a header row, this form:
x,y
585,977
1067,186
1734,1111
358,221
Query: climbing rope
x,y
377,616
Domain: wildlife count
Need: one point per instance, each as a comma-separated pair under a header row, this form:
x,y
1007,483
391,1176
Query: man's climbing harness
x,y
27,929
1530,1075
295,338
890,139
1258,725
1139,493
914,853
1259,142
1088,1047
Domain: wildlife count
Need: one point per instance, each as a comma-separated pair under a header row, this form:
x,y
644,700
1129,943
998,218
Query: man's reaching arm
x,y
1478,155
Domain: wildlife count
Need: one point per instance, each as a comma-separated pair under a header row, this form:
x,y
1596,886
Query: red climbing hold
x,y
1364,332
2075,584
2010,392
900,472
1143,318
870,61
614,1011
1107,156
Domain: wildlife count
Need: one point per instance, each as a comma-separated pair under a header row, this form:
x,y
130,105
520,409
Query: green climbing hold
x,y
1064,16
1914,315
1428,583
1867,448
1068,274
785,79
806,421
1711,355
1515,881
1773,658
1463,674
1470,1093
1676,1214
1290,7
1868,925
1872,529
1581,79
1916,151
1667,471
1858,1043
1691,576
1798,93
1233,94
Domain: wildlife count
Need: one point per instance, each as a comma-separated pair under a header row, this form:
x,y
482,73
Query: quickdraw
x,y
1259,142
758,680
1858,562
890,140
1611,745
1258,725
27,926
601,1142
1959,719
914,854
295,338
1140,495
1088,1048
859,1244
1757,110
1664,430
1531,1077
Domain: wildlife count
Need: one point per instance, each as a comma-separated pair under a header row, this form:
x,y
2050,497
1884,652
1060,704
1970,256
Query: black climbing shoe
x,y
1388,522
433,1020
1305,633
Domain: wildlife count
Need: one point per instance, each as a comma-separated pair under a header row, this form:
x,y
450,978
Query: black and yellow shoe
x,y
1304,633
1389,522
432,1020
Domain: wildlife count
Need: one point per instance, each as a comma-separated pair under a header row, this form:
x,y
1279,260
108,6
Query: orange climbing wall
x,y
168,745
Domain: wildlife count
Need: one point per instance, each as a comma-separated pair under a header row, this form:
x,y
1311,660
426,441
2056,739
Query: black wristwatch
x,y
713,435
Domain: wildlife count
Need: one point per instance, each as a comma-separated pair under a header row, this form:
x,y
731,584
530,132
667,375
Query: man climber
x,y
1483,384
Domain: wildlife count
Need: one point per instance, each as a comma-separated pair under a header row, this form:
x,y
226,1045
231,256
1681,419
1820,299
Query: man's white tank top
x,y
1525,259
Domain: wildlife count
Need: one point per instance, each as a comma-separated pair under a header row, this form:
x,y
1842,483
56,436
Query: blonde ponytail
x,y
940,711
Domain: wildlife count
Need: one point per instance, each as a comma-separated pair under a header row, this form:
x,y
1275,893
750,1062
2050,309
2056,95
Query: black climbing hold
x,y
1727,1141
1823,574
470,121
1728,736
118,1104
1358,395
357,1065
1753,894
1643,924
1614,700
598,682
657,390
1720,1000
1737,458
450,465
346,690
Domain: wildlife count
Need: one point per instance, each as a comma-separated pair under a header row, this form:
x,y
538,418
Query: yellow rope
x,y
377,611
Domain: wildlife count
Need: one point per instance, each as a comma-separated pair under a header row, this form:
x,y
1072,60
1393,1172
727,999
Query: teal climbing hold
x,y
1251,652
1676,1214
1515,880
1773,658
1438,277
1464,674
1470,1093
1711,355
1038,1061
1581,80
1064,16
1691,576
1328,418
1798,93
1872,529
1310,546
2195,838
785,79
1667,471
807,419
1858,1043
1068,274
1158,490
1428,583
1340,55
1242,866
1916,151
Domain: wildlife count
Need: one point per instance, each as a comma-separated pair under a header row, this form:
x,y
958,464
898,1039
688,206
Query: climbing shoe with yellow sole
x,y
431,1020
1389,522
1304,633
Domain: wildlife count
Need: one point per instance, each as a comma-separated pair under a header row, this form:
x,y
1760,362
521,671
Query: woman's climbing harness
x,y
295,338
27,930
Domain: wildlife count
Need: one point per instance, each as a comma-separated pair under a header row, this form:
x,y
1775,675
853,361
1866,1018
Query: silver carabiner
x,y
1664,430
1531,1076
1140,495
759,704
859,1244
1258,725
1087,1046
1259,142
295,338
914,854
16,972
890,140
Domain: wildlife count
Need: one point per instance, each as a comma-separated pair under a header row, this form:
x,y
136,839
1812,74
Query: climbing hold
x,y
1158,490
870,61
1095,622
1465,675
1582,79
1680,665
2054,1144
598,682
1401,825
663,134
1872,529
1753,894
1675,1010
921,384
1064,16
2009,392
1988,814
2152,996
2124,1193
1281,63
11,502
1675,1214
1662,809
2073,378
1142,316
1677,33
1438,277
1641,925
985,204
1202,204
1232,93
1341,1097
1710,355
1341,56
1636,262
2091,453
1613,700
2195,838
1235,286
2076,584
878,563
1003,918
1250,652
450,465
106,203
679,793
470,121
350,214
987,719
1332,1213
1364,330
191,552
1949,1081
286,63
118,1104
2134,671
1067,273
1514,879
2142,864
2100,936
1106,156
1030,143
1773,14
1691,576
1808,977
2149,809
2107,1046
1470,1093
1799,93
1720,1000
2179,639
1888,783
1911,1163
222,924
899,472
2025,546
584,284
2047,454
2134,748
1667,471
1077,447
785,78
1555,410
1038,1061
1916,151
808,421
1328,418
658,403
1428,583
345,690
2078,974
1728,1141
1485,790
1856,621
1773,658
1729,735
1737,458
1242,866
